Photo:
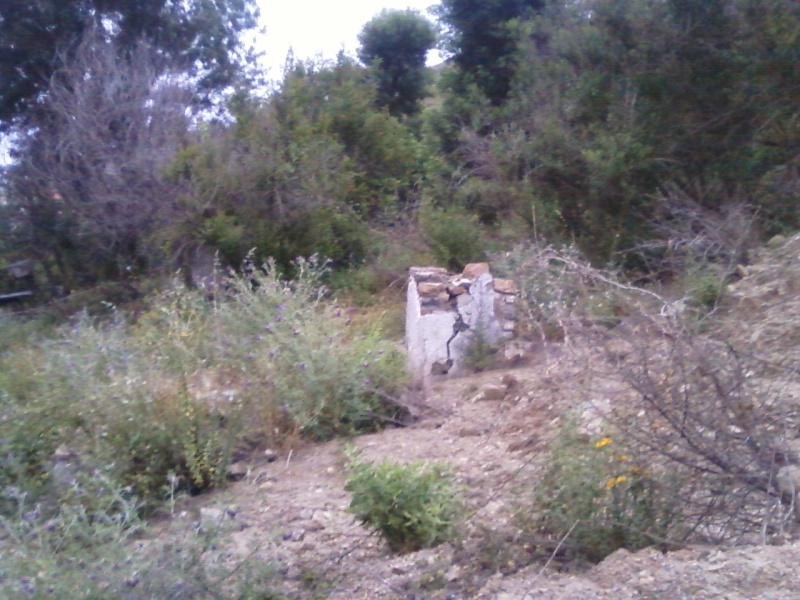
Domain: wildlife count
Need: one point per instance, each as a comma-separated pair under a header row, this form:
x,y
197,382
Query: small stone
x,y
64,452
505,286
210,516
237,471
474,270
470,432
493,392
511,382
776,242
456,290
271,455
429,289
298,535
788,479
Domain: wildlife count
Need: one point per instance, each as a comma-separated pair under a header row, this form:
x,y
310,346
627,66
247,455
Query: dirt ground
x,y
292,511
290,508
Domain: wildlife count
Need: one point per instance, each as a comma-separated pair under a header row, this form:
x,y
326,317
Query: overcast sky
x,y
312,27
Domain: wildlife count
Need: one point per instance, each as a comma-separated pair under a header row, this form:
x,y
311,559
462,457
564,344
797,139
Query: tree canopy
x,y
480,36
198,37
397,43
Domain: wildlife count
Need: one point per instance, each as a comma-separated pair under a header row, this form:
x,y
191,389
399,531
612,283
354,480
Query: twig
x,y
552,556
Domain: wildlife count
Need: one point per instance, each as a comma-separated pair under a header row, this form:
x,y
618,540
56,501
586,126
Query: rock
x,y
456,290
64,452
298,535
474,270
211,517
776,242
493,392
470,432
505,286
271,455
510,382
238,470
430,289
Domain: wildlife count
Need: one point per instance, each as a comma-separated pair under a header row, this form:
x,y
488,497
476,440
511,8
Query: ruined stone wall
x,y
445,312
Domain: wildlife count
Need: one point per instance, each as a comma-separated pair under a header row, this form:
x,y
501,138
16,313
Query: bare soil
x,y
292,512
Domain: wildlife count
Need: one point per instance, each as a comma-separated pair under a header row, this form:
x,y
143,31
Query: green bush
x,y
455,238
413,506
600,499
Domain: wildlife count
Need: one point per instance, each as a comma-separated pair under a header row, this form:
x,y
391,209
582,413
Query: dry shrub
x,y
712,422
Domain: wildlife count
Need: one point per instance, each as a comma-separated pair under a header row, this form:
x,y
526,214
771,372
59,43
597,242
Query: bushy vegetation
x,y
599,498
587,147
413,506
172,395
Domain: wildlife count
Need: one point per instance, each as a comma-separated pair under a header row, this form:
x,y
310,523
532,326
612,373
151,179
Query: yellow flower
x,y
623,458
615,481
605,441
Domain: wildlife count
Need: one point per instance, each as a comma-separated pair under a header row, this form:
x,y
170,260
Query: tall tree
x,y
480,36
396,43
199,37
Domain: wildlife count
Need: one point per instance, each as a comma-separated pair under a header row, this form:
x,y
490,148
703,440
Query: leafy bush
x,y
412,506
600,499
455,238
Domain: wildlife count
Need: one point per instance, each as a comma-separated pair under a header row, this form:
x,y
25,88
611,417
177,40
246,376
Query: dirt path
x,y
293,512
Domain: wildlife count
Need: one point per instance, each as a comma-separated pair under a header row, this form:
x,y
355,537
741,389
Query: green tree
x,y
396,44
37,37
303,172
481,36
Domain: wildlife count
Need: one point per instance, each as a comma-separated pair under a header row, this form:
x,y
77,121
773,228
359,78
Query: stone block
x,y
430,288
474,270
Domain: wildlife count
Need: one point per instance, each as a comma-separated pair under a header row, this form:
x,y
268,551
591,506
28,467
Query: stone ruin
x,y
446,312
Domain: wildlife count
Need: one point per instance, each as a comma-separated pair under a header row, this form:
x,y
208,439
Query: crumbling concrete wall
x,y
445,312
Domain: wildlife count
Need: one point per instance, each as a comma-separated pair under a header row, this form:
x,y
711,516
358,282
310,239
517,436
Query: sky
x,y
312,27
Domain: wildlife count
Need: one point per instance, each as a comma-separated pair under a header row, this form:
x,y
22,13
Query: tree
x,y
87,190
396,44
482,40
199,37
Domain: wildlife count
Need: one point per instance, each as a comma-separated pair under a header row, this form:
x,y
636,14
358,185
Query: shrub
x,y
455,238
169,397
413,506
86,553
601,499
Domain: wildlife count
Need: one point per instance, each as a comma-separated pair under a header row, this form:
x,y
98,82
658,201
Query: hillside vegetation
x,y
217,269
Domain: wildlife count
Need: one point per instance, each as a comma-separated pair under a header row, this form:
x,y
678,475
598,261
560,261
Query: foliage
x,y
162,403
199,38
413,506
480,35
644,96
87,189
396,44
454,237
83,553
300,173
599,499
558,287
